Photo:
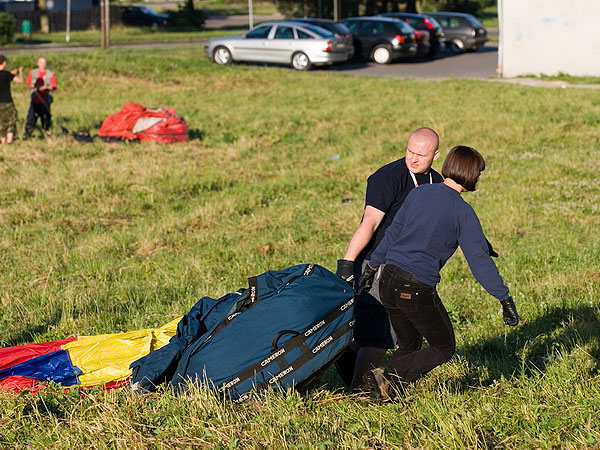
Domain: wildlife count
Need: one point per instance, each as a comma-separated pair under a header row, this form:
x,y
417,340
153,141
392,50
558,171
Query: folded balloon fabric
x,y
80,361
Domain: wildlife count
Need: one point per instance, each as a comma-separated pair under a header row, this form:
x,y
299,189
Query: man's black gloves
x,y
366,280
345,270
509,312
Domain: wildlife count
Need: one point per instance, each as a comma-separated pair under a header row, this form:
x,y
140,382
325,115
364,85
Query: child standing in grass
x,y
8,112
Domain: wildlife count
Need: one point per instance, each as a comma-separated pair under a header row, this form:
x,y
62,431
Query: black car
x,y
142,15
464,32
337,28
382,39
422,22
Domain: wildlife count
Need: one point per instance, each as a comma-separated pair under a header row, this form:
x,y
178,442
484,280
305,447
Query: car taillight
x,y
399,39
428,24
338,35
329,47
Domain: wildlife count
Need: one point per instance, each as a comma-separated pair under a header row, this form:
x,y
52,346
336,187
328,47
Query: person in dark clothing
x,y
386,190
42,82
425,233
8,112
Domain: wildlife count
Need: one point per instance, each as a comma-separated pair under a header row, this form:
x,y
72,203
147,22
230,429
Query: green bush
x,y
8,24
474,7
186,18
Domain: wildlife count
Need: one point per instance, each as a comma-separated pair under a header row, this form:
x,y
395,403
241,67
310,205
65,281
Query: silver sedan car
x,y
285,42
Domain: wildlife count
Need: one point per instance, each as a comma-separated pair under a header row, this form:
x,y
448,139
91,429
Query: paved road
x,y
480,64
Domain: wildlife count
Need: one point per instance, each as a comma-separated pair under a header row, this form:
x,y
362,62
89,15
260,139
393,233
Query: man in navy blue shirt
x,y
386,190
433,221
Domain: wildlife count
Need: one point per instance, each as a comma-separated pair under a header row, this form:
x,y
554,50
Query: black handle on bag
x,y
279,335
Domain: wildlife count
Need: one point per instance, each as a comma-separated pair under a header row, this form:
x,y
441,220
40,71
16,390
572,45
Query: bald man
x,y
386,190
42,81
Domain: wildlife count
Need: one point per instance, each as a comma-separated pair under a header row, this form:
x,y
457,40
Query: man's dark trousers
x,y
41,110
416,312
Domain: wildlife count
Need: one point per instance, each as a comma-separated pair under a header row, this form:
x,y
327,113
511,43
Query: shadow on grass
x,y
523,351
529,348
196,134
23,41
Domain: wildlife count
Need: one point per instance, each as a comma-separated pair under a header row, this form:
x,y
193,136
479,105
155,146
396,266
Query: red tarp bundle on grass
x,y
135,121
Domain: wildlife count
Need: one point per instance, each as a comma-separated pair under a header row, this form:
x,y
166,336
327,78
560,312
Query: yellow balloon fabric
x,y
106,357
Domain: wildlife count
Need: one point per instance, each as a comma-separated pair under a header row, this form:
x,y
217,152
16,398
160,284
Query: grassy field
x,y
571,79
100,238
124,35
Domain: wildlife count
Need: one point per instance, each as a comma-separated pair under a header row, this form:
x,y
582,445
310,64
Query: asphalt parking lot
x,y
479,64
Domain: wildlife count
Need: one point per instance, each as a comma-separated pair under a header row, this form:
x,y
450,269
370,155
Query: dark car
x,y
464,32
422,22
337,28
382,39
142,15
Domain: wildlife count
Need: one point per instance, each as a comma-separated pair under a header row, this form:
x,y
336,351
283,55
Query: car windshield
x,y
318,31
324,25
435,22
147,10
474,22
404,27
341,28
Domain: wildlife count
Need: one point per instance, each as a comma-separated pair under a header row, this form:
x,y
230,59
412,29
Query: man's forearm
x,y
359,241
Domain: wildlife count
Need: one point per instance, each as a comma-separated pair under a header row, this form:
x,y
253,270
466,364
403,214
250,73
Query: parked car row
x,y
306,42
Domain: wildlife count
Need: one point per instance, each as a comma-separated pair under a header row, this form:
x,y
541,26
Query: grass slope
x,y
100,238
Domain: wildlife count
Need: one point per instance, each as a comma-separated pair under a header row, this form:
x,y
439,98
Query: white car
x,y
284,42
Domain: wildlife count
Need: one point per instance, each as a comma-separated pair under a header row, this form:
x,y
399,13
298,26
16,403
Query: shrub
x,y
186,18
474,7
8,24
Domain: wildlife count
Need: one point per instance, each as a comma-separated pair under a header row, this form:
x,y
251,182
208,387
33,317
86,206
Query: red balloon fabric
x,y
135,121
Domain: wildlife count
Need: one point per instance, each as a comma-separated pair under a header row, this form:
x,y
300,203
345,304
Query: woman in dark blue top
x,y
425,233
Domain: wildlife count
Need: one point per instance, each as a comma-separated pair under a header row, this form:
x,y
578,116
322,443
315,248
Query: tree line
x,y
351,8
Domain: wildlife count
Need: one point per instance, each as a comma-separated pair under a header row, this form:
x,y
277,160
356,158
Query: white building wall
x,y
549,36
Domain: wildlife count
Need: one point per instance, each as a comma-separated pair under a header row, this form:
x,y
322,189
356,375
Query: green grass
x,y
225,7
126,35
100,238
571,79
213,7
490,17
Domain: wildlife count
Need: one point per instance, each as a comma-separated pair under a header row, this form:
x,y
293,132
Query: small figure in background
x,y
8,112
42,81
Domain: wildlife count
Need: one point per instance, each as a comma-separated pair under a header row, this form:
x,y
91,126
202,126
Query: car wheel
x,y
381,54
222,55
456,47
300,61
154,26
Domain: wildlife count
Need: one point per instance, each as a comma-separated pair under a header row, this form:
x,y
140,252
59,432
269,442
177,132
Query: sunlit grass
x,y
101,238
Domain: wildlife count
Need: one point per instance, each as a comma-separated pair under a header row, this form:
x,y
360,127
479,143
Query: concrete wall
x,y
549,36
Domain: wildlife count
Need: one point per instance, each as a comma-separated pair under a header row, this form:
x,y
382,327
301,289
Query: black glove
x,y
345,270
509,312
366,280
493,253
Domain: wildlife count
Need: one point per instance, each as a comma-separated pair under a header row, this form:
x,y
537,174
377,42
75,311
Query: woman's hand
x,y
509,312
366,280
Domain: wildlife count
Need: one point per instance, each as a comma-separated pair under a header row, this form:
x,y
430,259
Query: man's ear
x,y
436,155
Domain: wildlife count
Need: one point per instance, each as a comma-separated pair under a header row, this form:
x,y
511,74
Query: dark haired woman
x,y
8,112
425,233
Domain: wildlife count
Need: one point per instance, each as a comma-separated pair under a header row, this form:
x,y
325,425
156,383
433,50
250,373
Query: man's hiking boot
x,y
376,384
